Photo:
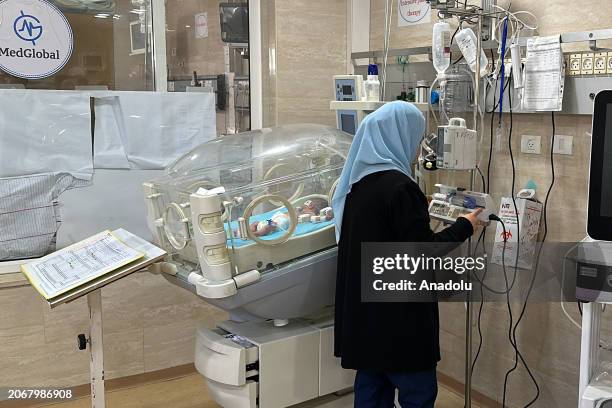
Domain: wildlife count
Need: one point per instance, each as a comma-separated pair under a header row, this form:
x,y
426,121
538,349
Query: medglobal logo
x,y
38,41
28,28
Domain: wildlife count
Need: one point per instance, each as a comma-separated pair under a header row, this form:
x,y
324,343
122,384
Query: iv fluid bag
x,y
467,42
441,46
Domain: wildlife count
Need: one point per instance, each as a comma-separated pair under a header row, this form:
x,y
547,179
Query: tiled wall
x,y
548,341
310,49
149,325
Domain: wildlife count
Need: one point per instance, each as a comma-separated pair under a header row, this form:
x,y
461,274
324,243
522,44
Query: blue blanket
x,y
301,229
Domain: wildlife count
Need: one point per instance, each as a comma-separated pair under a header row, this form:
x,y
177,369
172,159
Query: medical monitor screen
x,y
348,123
600,184
606,173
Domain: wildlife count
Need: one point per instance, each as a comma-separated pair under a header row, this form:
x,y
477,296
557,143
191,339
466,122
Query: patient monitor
x,y
600,183
593,260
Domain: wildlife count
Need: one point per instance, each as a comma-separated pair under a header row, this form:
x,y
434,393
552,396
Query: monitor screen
x,y
234,22
599,224
606,173
347,121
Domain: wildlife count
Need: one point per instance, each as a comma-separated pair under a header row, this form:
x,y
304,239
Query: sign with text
x,y
36,40
201,25
412,12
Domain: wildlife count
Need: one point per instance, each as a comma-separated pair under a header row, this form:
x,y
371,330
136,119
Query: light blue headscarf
x,y
388,139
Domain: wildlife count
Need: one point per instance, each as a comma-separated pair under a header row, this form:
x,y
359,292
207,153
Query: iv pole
x,y
469,316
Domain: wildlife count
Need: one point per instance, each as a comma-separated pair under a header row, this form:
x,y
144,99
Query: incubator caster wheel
x,y
81,342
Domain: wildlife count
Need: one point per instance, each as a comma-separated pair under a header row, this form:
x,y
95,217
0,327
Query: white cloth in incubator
x,y
147,130
204,192
45,132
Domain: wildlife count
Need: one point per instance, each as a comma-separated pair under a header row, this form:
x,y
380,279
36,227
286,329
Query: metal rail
x,y
566,38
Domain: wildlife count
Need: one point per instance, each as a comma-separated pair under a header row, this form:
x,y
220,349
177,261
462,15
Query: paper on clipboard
x,y
544,75
86,261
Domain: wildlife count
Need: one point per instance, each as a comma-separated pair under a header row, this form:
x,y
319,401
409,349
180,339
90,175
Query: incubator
x,y
244,205
248,224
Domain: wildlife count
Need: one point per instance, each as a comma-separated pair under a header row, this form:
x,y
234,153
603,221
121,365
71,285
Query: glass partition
x,y
207,50
112,48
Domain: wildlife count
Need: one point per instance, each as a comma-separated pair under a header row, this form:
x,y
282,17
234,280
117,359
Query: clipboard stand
x,y
93,291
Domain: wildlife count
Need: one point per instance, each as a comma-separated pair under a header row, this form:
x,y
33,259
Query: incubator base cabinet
x,y
248,224
264,366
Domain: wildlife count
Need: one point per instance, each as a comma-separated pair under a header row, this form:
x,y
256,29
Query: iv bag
x,y
467,42
441,46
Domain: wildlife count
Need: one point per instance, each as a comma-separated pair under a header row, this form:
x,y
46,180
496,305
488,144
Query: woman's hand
x,y
473,218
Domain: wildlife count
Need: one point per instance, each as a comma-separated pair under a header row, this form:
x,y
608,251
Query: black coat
x,y
386,206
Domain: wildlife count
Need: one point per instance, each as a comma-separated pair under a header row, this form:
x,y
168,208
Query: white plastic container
x,y
372,88
441,46
468,44
372,84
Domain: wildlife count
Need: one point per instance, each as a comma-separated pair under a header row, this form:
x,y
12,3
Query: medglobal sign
x,y
30,53
36,39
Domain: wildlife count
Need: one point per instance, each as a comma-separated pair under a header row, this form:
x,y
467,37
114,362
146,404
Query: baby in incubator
x,y
279,221
314,210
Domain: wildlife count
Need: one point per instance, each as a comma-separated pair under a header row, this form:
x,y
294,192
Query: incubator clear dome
x,y
273,189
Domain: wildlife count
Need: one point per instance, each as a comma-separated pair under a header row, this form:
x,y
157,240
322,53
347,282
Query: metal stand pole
x,y
469,316
96,348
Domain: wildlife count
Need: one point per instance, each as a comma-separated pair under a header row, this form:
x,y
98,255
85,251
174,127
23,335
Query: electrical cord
x,y
512,330
512,343
545,213
482,238
483,234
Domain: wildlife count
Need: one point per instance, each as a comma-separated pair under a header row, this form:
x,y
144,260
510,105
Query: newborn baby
x,y
313,206
279,221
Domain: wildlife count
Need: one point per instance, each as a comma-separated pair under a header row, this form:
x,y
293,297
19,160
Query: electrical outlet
x,y
575,62
531,144
600,63
563,144
609,67
587,63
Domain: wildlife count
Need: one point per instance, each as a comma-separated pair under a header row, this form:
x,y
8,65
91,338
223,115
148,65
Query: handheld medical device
x,y
453,202
457,146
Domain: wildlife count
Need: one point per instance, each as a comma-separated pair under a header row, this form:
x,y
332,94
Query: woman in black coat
x,y
391,345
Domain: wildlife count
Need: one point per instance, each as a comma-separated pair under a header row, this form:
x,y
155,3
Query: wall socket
x,y
531,144
587,63
575,62
563,144
600,63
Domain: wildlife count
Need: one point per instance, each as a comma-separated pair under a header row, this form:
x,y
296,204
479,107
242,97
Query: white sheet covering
x,y
45,132
29,214
147,131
